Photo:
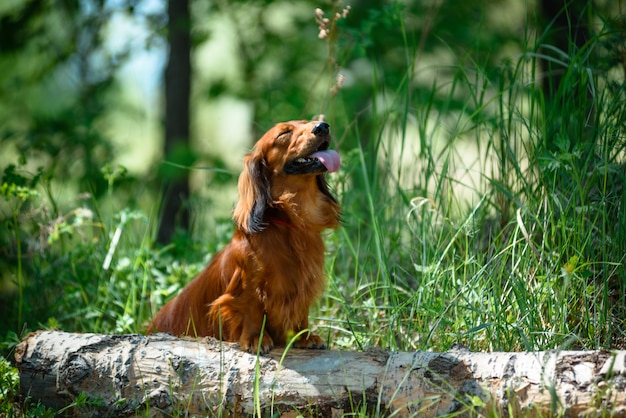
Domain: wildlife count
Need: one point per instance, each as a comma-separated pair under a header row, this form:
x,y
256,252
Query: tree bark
x,y
162,375
175,211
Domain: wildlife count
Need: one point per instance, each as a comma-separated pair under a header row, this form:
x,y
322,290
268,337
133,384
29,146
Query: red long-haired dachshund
x,y
258,289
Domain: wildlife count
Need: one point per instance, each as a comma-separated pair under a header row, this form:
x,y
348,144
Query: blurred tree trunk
x,y
569,33
566,27
175,179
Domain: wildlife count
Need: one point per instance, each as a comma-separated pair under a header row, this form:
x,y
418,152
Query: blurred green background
x,y
482,145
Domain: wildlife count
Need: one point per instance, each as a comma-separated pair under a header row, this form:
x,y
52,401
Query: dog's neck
x,y
277,221
314,212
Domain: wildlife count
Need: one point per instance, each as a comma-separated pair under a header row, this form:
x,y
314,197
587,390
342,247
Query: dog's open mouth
x,y
329,158
322,160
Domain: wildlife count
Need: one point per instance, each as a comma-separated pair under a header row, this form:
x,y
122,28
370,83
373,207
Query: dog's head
x,y
287,163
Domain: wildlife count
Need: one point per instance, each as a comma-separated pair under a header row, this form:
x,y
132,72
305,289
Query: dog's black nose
x,y
321,129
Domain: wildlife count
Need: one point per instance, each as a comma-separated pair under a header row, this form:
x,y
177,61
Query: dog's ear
x,y
323,186
254,194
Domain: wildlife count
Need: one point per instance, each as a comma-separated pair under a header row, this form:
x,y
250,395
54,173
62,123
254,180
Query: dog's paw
x,y
251,344
310,341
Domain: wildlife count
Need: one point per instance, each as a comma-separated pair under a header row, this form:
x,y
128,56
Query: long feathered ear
x,y
254,195
323,186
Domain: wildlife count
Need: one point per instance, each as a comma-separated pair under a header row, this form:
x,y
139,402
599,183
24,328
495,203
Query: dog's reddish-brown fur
x,y
274,264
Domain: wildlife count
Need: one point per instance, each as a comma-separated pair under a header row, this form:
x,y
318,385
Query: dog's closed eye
x,y
284,135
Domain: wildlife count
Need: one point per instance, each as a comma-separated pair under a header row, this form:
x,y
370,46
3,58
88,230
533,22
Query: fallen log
x,y
162,375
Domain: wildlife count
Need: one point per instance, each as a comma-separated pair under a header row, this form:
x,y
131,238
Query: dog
x,y
259,288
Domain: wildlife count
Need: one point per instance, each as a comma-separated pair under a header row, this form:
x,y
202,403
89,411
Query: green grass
x,y
500,226
519,247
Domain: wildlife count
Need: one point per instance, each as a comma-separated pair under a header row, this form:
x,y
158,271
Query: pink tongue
x,y
329,158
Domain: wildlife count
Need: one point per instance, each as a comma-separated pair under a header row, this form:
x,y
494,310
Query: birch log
x,y
162,375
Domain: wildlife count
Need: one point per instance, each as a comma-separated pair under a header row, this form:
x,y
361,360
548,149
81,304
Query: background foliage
x,y
482,176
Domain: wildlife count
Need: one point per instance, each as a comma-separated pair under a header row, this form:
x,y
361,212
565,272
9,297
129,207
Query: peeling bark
x,y
162,375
